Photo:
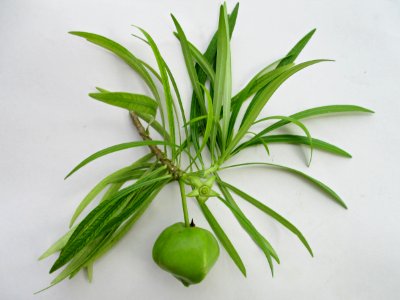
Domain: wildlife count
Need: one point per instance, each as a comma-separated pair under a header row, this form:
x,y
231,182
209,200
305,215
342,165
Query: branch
x,y
172,169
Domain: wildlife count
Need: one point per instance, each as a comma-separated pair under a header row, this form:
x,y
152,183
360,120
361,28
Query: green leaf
x,y
260,100
121,232
147,118
271,213
167,89
194,120
123,54
96,222
223,78
295,139
271,67
318,111
202,62
131,102
295,51
146,188
187,54
294,121
258,82
80,259
257,237
223,238
209,124
58,245
89,270
113,149
112,190
114,177
198,108
261,80
180,105
327,190
97,248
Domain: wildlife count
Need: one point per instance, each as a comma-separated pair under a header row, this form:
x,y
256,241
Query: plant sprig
x,y
213,132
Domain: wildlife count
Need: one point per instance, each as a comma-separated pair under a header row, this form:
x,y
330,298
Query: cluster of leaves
x,y
218,127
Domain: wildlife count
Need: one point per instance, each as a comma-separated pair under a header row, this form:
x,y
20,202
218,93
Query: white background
x,y
48,124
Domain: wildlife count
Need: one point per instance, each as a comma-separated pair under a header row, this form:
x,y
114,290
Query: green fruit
x,y
188,253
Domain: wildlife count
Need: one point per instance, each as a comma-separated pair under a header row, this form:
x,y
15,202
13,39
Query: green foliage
x,y
132,102
213,131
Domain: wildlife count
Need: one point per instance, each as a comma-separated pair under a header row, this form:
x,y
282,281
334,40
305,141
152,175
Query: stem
x,y
184,204
172,169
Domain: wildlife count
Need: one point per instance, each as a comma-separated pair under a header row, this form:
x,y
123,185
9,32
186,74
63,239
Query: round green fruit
x,y
188,253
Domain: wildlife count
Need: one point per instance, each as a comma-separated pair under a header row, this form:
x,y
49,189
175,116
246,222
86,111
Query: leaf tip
x,y
369,111
93,95
77,33
53,268
71,223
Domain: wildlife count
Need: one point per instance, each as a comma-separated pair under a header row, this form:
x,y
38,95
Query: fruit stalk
x,y
184,204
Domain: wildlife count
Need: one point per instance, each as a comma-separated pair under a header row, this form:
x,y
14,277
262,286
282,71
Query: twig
x,y
172,169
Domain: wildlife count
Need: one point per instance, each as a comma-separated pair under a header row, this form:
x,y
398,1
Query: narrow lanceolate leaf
x,y
254,234
112,190
254,86
324,188
295,51
129,101
318,111
97,222
203,63
187,54
260,140
175,108
166,87
113,149
123,229
257,83
114,177
89,270
257,237
209,124
223,77
260,100
123,54
58,245
101,245
270,67
194,120
294,121
271,213
80,259
294,139
198,108
147,118
223,238
201,60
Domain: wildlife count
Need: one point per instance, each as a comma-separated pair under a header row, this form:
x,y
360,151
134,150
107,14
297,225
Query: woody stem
x,y
160,155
